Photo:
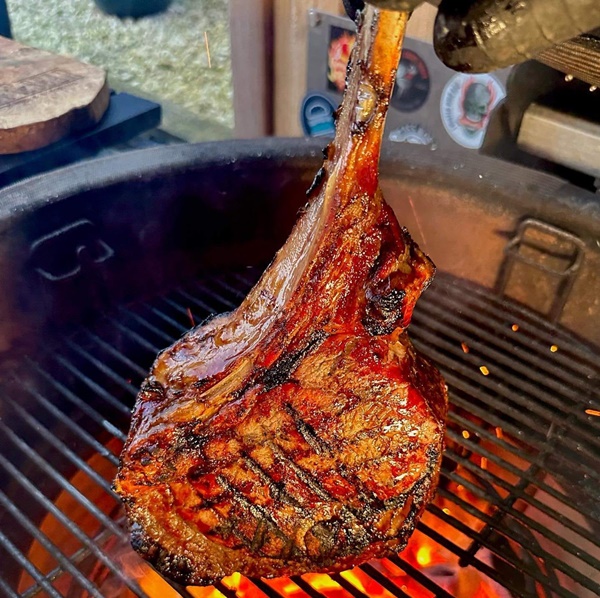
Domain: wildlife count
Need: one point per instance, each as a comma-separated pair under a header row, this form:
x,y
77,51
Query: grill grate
x,y
519,472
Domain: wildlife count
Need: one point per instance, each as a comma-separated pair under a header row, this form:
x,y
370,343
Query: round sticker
x,y
466,105
317,115
341,42
411,134
412,83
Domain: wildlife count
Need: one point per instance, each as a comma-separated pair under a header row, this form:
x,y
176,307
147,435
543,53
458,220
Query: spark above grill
x,y
517,509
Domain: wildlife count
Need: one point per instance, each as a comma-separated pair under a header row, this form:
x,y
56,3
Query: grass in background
x,y
163,56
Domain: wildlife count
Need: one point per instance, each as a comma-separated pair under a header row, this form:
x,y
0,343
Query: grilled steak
x,y
301,432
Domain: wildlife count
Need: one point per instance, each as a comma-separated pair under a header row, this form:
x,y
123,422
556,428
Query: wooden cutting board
x,y
44,97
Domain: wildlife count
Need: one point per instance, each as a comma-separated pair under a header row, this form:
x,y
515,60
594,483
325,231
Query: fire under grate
x,y
517,511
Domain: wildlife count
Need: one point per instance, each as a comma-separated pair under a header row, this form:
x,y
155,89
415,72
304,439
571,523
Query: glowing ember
x,y
424,555
321,582
466,434
191,317
418,221
515,327
283,586
593,412
201,593
484,370
240,585
499,433
554,348
364,583
465,347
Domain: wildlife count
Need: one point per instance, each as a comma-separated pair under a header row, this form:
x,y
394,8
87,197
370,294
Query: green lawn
x,y
163,56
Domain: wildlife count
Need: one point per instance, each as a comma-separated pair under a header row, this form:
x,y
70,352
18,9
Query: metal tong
x,y
484,35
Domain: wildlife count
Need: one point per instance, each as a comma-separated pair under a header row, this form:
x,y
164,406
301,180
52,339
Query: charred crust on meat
x,y
266,528
281,370
276,489
179,568
383,311
258,540
152,390
198,470
307,431
317,180
189,441
322,541
202,383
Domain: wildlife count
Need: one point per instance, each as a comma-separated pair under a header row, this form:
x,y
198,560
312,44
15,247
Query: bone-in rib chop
x,y
301,432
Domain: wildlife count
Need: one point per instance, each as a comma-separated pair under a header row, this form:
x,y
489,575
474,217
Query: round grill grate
x,y
517,512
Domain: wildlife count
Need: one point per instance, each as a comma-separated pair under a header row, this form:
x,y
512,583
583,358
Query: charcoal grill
x,y
108,262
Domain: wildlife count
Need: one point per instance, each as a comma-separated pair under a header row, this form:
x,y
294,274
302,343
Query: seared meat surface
x,y
301,432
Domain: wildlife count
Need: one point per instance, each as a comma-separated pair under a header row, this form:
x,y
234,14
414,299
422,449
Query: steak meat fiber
x,y
302,432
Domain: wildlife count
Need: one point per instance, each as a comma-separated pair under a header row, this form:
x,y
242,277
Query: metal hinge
x,y
552,252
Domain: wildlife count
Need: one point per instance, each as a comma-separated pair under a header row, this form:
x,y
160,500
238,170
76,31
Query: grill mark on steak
x,y
263,520
302,475
277,489
280,371
356,522
307,431
371,506
313,483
